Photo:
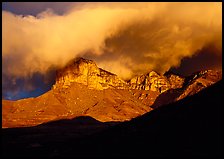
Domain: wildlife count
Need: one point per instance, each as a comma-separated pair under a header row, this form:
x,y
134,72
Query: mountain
x,y
199,81
84,89
86,72
188,128
81,88
191,85
155,82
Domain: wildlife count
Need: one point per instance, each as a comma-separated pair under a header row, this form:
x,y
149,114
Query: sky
x,y
124,38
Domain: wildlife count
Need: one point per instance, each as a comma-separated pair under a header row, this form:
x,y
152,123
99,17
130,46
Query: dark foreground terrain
x,y
191,127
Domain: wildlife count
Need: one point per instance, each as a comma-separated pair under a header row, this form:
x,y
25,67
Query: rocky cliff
x,y
86,72
155,82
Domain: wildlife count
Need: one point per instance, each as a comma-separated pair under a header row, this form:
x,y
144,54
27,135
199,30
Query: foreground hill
x,y
188,128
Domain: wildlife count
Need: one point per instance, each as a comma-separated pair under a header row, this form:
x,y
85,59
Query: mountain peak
x,y
76,62
155,82
86,72
80,60
153,74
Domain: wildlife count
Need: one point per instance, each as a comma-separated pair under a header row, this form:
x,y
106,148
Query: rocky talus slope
x,y
84,89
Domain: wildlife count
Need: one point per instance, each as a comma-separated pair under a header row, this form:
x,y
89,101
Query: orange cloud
x,y
124,38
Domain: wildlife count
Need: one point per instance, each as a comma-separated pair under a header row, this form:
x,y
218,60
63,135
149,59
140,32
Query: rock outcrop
x,y
155,82
175,81
198,81
86,72
189,86
150,81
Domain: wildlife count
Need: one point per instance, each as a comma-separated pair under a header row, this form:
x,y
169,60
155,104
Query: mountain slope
x,y
191,85
62,103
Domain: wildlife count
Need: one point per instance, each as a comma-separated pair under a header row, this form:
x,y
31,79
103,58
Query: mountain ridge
x,y
82,88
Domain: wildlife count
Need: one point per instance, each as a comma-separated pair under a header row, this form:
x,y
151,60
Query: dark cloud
x,y
14,88
209,57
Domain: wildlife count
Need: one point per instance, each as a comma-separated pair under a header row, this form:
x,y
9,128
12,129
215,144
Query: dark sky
x,y
31,8
209,57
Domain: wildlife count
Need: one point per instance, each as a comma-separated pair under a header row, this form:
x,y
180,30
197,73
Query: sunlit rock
x,y
86,72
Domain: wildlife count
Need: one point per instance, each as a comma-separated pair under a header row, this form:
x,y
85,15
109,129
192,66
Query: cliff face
x,y
148,86
155,82
86,72
175,81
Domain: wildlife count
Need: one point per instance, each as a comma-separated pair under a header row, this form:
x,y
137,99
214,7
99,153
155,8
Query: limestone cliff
x,y
86,72
175,81
155,82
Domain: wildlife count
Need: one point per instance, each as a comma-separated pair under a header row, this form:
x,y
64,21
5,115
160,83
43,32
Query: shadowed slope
x,y
48,138
188,128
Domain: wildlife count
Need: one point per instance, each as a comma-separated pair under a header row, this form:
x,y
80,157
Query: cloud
x,y
124,38
209,57
160,41
14,88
